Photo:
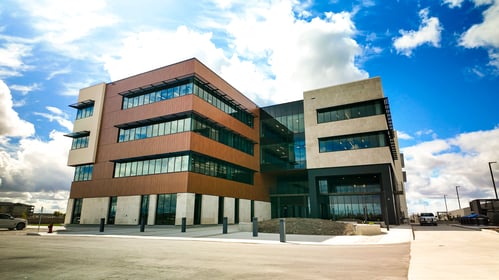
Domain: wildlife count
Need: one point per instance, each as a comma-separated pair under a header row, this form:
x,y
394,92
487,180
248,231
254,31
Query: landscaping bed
x,y
307,226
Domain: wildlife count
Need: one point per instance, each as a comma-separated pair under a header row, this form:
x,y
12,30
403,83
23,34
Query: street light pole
x,y
446,210
458,202
492,176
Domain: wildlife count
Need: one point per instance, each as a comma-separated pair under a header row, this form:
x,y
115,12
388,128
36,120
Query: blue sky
x,y
438,61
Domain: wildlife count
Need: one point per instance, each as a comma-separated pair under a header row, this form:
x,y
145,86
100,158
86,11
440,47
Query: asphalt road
x,y
98,257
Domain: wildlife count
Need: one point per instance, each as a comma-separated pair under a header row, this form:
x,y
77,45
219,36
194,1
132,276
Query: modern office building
x,y
180,142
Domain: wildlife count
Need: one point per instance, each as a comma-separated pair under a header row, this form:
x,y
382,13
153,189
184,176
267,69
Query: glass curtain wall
x,y
75,217
166,209
144,209
111,213
290,197
351,197
282,137
188,86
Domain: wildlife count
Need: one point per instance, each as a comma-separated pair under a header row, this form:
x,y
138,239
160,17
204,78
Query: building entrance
x,y
351,197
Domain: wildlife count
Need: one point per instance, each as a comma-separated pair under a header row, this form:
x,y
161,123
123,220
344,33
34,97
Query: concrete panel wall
x,y
355,92
69,211
93,209
346,127
229,204
262,210
358,91
380,155
185,208
244,211
92,124
209,210
128,210
151,215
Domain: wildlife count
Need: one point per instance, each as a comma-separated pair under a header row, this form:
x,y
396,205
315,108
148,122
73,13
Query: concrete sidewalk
x,y
455,254
396,234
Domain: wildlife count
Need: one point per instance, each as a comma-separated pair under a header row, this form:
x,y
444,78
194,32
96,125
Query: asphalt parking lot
x,y
442,252
134,257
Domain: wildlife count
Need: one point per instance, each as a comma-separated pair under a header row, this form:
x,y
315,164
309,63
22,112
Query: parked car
x,y
427,219
7,221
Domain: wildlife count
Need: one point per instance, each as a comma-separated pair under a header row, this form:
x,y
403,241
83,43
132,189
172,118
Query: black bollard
x,y
255,226
224,230
101,227
184,224
282,230
142,225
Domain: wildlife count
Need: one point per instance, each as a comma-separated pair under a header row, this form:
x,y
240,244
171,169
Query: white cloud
x,y
50,200
485,34
494,59
426,132
59,71
144,51
435,167
269,54
428,33
404,136
28,165
453,3
26,89
10,123
483,2
36,166
11,59
290,52
58,116
62,23
458,3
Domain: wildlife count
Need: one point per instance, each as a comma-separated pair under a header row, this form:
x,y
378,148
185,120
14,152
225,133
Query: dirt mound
x,y
307,226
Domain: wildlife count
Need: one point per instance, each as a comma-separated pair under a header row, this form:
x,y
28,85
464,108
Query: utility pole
x,y
457,192
446,210
492,176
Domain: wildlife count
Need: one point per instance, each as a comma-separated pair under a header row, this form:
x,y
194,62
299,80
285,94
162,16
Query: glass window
x,y
168,126
83,173
152,166
133,171
187,124
166,209
171,164
161,129
149,131
180,125
178,164
145,168
128,166
173,128
158,166
188,88
155,130
164,165
169,93
140,168
185,163
121,136
176,91
353,142
183,90
345,112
